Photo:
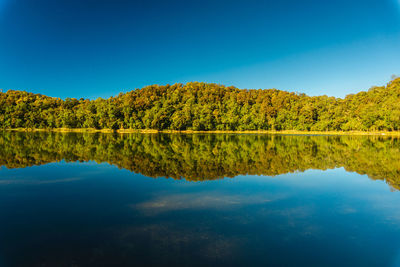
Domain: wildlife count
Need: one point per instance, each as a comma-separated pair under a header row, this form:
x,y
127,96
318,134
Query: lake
x,y
80,199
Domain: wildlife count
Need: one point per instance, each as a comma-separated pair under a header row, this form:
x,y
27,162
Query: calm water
x,y
246,200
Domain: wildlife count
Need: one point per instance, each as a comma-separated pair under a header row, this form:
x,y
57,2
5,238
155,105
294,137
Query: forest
x,y
199,157
205,106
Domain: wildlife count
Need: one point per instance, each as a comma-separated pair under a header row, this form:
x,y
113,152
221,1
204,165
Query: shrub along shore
x,y
284,132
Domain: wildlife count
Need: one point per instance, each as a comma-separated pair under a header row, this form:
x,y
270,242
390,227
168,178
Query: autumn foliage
x,y
202,106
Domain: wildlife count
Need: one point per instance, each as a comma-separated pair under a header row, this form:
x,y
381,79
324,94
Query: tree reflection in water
x,y
198,157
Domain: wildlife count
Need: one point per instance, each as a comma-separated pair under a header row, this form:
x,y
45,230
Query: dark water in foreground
x,y
89,200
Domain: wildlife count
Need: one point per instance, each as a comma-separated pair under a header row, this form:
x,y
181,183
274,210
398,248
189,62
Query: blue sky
x,y
97,48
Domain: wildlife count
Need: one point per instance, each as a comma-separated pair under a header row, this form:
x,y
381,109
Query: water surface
x,y
245,200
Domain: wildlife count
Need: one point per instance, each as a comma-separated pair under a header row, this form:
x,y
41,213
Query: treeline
x,y
202,106
197,157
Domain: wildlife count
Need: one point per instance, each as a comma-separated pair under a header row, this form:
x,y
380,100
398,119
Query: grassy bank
x,y
286,132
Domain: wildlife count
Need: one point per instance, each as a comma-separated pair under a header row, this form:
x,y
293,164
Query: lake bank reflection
x,y
197,157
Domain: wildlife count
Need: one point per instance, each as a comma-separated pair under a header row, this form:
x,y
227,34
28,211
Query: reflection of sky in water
x,y
396,262
87,214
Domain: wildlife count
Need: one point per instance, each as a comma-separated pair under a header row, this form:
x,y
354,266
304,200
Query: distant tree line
x,y
203,106
198,157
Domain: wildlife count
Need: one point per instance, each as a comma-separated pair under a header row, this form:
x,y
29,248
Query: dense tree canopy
x,y
202,106
208,156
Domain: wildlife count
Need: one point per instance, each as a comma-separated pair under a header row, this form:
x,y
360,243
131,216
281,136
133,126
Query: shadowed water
x,y
245,200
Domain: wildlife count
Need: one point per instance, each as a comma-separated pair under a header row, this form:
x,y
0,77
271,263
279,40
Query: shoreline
x,y
128,131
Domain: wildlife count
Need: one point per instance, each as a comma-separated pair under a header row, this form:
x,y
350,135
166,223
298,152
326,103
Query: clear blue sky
x,y
95,48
